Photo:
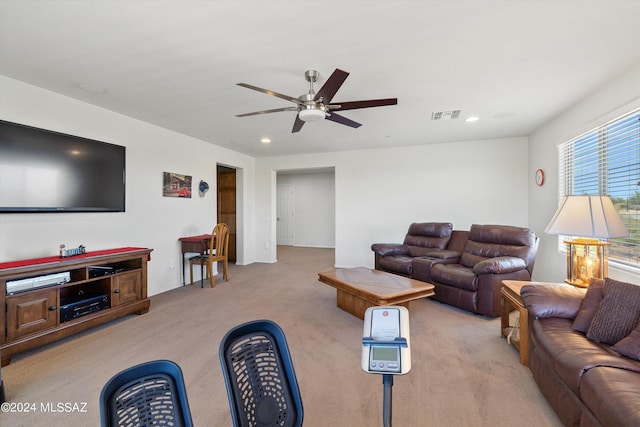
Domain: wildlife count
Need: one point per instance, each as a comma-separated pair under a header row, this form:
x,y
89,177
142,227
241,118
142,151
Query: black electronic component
x,y
81,305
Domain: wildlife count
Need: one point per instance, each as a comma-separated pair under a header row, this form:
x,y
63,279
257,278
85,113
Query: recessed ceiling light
x,y
265,141
92,88
472,119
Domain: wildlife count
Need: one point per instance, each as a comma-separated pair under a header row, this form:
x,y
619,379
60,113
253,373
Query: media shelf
x,y
102,286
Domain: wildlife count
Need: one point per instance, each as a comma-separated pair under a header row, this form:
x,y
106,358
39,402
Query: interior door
x,y
227,204
285,220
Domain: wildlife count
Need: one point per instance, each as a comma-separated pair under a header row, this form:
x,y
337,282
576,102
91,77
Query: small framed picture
x,y
176,185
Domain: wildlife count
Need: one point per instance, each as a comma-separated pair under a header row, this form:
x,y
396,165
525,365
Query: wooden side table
x,y
194,244
510,299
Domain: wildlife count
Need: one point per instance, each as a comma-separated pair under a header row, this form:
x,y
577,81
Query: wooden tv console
x,y
32,317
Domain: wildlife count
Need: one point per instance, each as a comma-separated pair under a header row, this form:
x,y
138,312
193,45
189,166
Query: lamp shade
x,y
587,216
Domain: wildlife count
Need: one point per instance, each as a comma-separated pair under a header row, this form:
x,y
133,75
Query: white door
x,y
284,211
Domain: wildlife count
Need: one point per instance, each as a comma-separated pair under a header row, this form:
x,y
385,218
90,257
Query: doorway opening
x,y
305,208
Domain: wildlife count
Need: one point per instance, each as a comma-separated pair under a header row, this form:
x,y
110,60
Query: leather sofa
x,y
466,267
587,383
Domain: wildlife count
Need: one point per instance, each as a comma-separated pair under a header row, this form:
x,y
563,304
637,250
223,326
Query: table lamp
x,y
591,218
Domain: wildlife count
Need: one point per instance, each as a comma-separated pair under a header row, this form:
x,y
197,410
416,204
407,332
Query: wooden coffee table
x,y
360,288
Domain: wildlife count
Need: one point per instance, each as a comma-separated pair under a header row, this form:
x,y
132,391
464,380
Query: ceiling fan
x,y
314,106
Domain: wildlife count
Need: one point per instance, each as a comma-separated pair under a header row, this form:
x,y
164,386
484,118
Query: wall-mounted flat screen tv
x,y
46,171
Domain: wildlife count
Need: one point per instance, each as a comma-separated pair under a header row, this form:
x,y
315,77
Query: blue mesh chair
x,y
259,376
152,393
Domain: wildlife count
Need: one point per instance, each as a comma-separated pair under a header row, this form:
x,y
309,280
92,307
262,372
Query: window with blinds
x,y
606,161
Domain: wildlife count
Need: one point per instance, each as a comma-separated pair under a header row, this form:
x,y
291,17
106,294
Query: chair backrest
x,y
261,383
220,241
152,393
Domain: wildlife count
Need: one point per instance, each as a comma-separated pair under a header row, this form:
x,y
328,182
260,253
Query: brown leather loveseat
x,y
466,267
584,350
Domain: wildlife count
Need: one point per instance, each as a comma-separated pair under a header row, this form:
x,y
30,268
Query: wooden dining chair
x,y
218,251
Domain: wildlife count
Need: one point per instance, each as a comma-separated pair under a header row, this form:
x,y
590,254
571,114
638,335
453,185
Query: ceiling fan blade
x,y
342,120
275,110
272,93
297,125
331,86
354,105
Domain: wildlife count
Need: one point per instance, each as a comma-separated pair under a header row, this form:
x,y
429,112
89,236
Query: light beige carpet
x,y
463,373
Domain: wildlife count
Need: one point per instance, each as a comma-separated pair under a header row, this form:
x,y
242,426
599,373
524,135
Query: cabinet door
x,y
126,288
31,312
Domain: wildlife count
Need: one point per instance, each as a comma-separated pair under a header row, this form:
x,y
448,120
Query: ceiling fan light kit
x,y
314,106
311,115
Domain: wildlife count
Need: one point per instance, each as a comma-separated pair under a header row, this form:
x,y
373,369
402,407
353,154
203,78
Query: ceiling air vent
x,y
445,115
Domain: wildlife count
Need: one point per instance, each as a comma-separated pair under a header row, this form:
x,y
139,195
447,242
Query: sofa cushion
x,y
630,345
612,395
455,275
618,313
552,300
570,353
421,266
589,306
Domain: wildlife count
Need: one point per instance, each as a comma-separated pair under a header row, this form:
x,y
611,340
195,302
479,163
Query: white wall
x,y
314,207
617,97
380,192
150,220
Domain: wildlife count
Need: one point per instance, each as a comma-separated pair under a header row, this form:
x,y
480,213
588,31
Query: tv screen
x,y
46,171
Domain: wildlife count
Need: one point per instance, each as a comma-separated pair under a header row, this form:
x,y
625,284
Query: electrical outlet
x,y
172,264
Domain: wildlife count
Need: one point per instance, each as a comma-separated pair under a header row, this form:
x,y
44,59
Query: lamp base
x,y
586,260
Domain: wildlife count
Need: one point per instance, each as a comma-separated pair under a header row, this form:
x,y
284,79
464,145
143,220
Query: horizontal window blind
x,y
606,161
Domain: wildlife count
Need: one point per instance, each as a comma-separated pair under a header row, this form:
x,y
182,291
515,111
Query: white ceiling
x,y
514,63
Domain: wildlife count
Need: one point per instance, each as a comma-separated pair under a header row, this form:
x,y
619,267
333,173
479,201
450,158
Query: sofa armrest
x,y
552,300
443,254
386,249
500,265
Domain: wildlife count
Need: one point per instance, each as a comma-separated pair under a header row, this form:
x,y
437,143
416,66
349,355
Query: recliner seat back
x,y
492,241
423,237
